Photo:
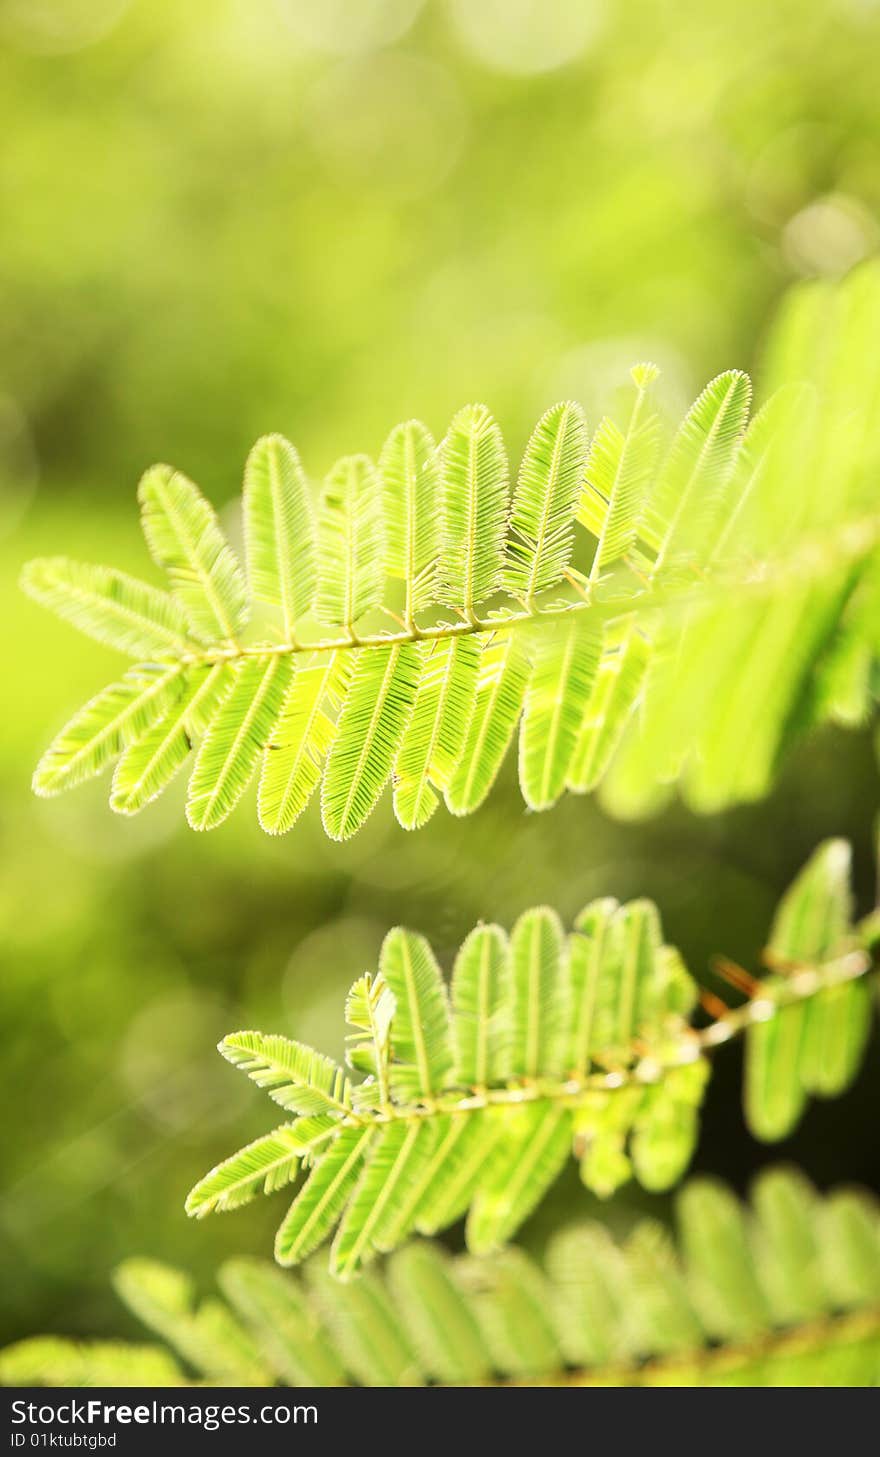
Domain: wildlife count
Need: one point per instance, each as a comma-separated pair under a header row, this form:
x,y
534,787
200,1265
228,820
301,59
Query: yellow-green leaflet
x,y
294,760
434,738
371,723
279,530
185,538
230,751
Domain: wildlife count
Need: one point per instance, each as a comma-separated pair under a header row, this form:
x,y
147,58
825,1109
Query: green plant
x,y
720,600
552,1044
612,643
784,1293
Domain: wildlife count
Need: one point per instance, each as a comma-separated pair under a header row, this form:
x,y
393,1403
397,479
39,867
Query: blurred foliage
x,y
780,1294
231,218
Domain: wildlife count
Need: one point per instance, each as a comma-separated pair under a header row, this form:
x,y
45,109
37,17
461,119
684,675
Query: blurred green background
x,y
320,217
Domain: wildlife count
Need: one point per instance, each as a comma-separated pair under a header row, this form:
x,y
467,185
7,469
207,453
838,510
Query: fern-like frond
x,y
423,1058
684,502
115,719
412,503
55,1361
404,631
551,1044
501,689
265,1165
433,739
542,515
620,468
151,761
301,738
370,727
351,543
475,509
814,1045
208,1337
279,531
291,1340
784,1291
560,687
185,538
238,734
109,606
301,1080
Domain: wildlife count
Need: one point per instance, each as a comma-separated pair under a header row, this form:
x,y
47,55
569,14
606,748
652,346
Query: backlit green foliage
x,y
785,1293
404,626
543,1045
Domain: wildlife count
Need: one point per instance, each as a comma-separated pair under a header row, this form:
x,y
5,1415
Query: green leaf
x,y
279,530
681,510
587,954
513,1304
381,1210
371,725
593,1292
464,1152
317,1207
542,515
208,1337
185,538
480,1005
149,764
411,481
724,1284
261,1167
423,1061
615,691
667,1322
783,1293
295,1076
536,1142
557,1045
350,542
53,1361
475,487
501,688
438,1316
301,739
619,471
813,917
633,948
290,1338
838,1025
108,605
850,1247
370,1338
686,691
665,1133
369,1008
563,672
769,433
117,717
539,994
787,1244
242,727
434,737
799,1048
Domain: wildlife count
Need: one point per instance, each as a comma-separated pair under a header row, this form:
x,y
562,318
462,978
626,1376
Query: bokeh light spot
x,y
54,27
349,27
525,37
830,235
